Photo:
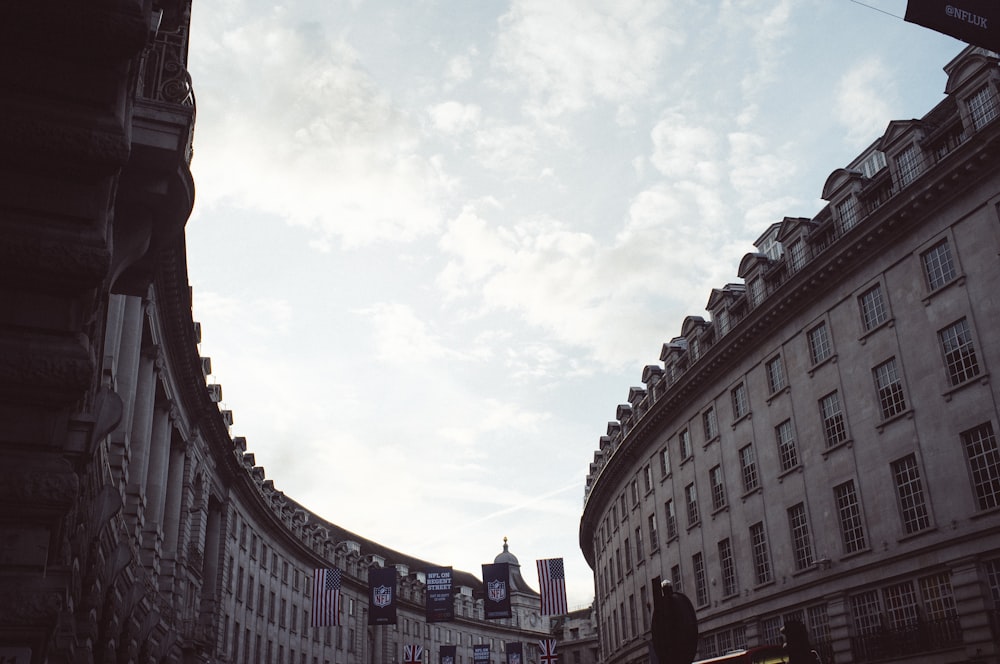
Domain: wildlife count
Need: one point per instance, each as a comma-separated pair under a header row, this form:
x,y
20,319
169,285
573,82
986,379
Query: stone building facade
x,y
133,526
824,447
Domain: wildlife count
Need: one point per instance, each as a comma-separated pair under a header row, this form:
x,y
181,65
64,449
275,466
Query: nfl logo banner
x,y
481,654
440,599
381,595
514,653
448,654
496,583
975,22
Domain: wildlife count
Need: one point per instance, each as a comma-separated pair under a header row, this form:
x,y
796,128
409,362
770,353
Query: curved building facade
x,y
824,446
133,526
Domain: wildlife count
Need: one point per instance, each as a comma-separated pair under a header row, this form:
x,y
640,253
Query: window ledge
x,y
794,469
855,554
919,533
907,414
666,477
746,416
687,459
887,323
751,492
831,359
719,510
694,525
805,570
709,442
774,395
959,280
981,379
987,512
849,443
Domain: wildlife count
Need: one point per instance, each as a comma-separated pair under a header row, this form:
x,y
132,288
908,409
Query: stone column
x,y
159,460
140,432
175,492
971,604
213,542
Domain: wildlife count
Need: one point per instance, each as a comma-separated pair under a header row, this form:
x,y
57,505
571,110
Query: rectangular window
x,y
819,624
640,551
694,347
820,347
761,553
665,462
787,453
718,488
873,310
982,107
908,165
748,468
643,603
797,255
700,582
938,598
939,268
710,424
723,321
848,213
684,439
756,291
671,516
727,566
984,463
910,491
867,613
675,578
741,402
775,374
890,389
654,538
801,540
635,492
900,605
647,478
849,512
834,428
691,498
959,352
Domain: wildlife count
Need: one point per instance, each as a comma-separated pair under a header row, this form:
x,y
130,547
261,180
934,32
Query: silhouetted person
x,y
797,644
675,627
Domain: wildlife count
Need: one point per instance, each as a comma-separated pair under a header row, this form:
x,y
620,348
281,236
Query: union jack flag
x,y
552,583
326,597
413,654
547,651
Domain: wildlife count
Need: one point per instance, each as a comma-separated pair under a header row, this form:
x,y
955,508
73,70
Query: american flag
x,y
547,651
552,581
413,654
326,597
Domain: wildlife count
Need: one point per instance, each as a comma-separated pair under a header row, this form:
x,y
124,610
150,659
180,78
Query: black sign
x,y
440,602
381,595
515,654
448,654
481,654
496,587
976,22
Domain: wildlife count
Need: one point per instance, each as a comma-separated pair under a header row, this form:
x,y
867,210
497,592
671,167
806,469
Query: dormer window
x,y
873,164
908,165
797,254
848,213
982,107
695,347
723,320
771,248
756,291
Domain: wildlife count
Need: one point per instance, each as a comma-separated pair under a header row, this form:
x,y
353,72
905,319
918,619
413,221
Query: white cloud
x,y
684,150
305,134
569,53
864,100
452,117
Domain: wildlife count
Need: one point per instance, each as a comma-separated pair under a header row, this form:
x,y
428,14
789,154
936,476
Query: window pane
x,y
984,463
819,344
939,267
959,352
889,388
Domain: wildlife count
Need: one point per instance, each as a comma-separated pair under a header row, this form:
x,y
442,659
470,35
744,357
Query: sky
x,y
434,243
